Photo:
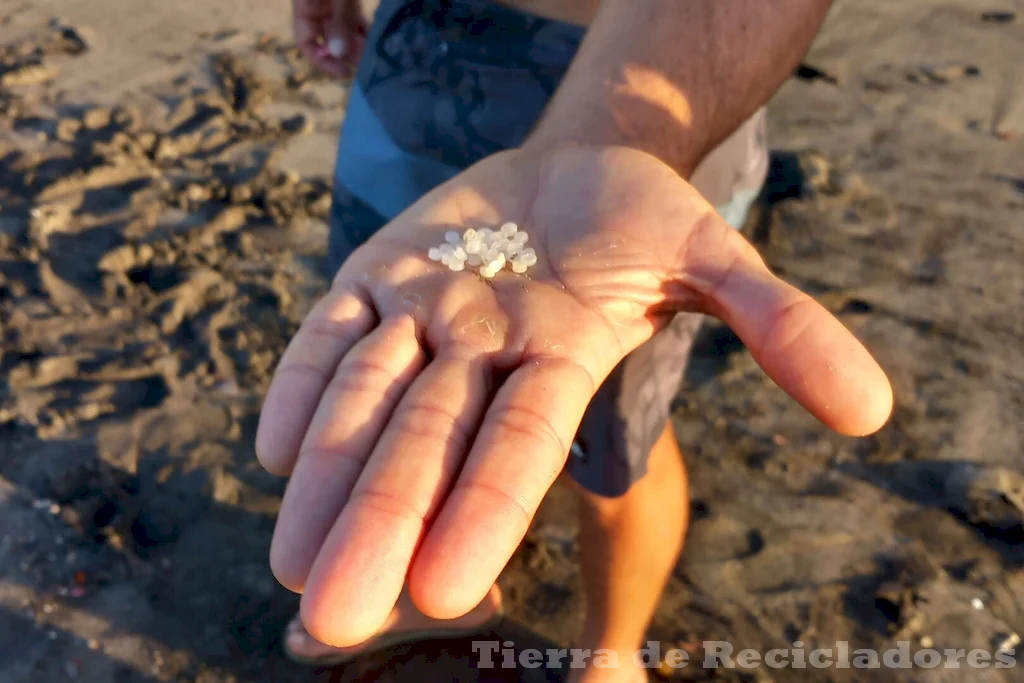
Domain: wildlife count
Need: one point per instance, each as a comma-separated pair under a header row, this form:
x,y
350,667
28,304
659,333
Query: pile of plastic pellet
x,y
486,250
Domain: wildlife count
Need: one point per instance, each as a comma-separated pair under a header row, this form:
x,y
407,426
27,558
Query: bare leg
x,y
628,548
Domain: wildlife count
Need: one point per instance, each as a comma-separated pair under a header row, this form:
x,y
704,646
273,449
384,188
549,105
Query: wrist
x,y
548,140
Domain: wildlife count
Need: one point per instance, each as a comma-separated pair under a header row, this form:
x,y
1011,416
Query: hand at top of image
x,y
330,33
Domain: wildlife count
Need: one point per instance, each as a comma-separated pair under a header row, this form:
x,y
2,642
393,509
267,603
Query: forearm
x,y
676,77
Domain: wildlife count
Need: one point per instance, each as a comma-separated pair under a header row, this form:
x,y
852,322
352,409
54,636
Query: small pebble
x,y
93,644
999,17
976,603
1013,640
1007,642
926,641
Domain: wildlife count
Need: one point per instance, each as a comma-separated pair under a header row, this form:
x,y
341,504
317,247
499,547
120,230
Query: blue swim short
x,y
443,84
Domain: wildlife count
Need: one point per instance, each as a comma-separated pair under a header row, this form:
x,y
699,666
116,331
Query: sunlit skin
x,y
423,414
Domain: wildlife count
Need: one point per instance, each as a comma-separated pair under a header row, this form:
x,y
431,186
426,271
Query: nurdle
x,y
489,251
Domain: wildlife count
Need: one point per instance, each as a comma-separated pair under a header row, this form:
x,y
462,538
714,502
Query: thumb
x,y
807,351
705,264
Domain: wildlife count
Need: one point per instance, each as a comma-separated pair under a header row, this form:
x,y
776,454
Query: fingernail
x,y
336,46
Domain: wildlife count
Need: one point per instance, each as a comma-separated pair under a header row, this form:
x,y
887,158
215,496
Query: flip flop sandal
x,y
566,669
384,641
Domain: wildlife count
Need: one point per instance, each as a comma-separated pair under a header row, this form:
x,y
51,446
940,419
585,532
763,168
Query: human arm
x,y
675,77
423,414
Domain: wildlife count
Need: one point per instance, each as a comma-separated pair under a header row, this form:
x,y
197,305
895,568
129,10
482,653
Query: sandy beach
x,y
164,184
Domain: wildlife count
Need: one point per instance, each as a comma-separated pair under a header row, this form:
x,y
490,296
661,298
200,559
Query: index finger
x,y
336,323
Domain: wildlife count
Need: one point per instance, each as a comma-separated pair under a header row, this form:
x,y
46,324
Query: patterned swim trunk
x,y
445,83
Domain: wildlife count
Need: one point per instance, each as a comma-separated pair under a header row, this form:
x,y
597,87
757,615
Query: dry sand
x,y
163,184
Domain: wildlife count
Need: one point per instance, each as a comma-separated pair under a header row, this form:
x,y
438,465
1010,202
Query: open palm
x,y
423,414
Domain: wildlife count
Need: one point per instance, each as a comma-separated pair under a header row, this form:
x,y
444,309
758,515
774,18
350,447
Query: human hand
x,y
330,33
423,414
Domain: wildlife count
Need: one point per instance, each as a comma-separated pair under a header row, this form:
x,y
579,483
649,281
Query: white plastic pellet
x,y
497,264
336,47
488,251
527,257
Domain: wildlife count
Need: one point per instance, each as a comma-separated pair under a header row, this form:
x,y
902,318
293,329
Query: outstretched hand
x,y
423,414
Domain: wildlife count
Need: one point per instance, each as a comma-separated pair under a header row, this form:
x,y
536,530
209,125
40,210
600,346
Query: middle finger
x,y
364,560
